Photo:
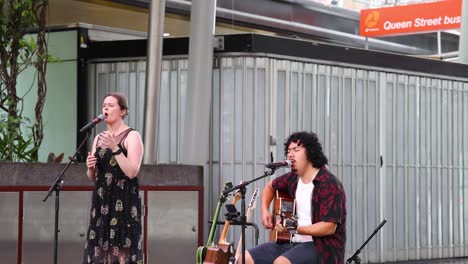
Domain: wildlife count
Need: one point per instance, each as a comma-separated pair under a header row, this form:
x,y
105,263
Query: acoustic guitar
x,y
284,208
247,215
201,251
220,254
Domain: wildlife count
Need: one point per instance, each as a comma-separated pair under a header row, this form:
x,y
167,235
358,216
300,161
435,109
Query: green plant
x,y
18,52
13,145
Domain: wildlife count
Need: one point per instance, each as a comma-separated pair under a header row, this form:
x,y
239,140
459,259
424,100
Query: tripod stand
x,y
56,187
242,188
355,257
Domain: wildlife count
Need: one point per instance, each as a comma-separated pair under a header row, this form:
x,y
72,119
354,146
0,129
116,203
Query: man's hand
x,y
267,219
291,223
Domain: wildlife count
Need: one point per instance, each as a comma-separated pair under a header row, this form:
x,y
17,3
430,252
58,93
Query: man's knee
x,y
281,260
248,258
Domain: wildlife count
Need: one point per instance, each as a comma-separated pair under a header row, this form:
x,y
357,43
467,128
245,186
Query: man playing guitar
x,y
320,230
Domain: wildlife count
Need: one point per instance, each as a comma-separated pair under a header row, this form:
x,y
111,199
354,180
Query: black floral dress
x,y
115,233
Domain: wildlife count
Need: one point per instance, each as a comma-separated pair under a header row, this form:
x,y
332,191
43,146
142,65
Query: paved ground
x,y
440,261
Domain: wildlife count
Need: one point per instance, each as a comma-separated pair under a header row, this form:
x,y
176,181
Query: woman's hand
x,y
108,141
91,161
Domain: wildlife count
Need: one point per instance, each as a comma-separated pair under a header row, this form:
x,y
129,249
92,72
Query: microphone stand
x,y
56,187
242,188
355,257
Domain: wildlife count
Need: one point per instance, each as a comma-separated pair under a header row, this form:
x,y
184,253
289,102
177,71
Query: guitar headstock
x,y
223,196
254,197
236,197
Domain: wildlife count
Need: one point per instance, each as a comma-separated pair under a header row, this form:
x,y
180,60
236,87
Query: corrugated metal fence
x,y
398,141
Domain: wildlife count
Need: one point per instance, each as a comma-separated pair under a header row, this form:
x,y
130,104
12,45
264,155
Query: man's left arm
x,y
318,229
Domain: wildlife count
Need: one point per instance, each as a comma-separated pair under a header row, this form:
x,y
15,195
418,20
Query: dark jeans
x,y
296,253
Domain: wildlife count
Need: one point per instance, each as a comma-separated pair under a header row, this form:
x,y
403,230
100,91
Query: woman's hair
x,y
312,145
121,101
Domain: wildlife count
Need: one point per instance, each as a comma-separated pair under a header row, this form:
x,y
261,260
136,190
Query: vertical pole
x,y
463,53
196,124
439,43
56,227
153,79
381,180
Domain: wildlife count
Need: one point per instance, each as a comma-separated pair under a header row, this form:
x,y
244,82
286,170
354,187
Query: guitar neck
x,y
222,237
239,245
214,224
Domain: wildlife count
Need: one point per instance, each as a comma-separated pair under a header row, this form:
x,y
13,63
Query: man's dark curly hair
x,y
312,145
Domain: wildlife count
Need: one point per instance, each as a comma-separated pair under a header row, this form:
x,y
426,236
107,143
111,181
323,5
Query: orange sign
x,y
407,19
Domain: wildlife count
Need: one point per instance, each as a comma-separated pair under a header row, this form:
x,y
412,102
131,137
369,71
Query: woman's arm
x,y
91,162
130,165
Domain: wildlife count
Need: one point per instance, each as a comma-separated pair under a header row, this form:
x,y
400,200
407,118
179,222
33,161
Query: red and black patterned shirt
x,y
328,205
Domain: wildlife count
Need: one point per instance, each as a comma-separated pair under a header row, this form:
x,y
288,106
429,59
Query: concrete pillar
x,y
196,125
153,79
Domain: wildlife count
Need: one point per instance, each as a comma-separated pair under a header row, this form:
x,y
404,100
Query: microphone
x,y
279,164
92,123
